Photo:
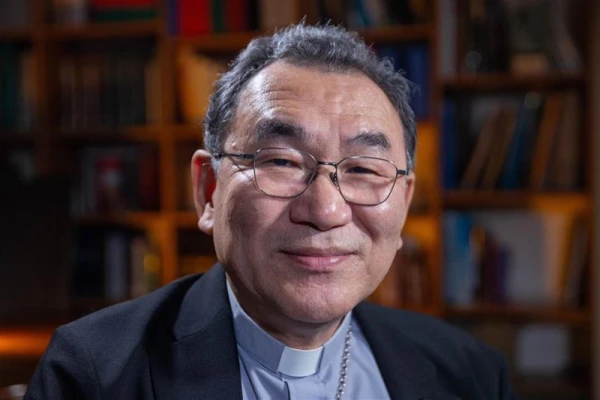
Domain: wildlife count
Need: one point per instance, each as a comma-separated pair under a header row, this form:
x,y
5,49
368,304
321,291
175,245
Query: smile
x,y
318,260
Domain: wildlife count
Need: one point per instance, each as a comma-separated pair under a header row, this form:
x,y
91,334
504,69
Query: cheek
x,y
247,218
384,222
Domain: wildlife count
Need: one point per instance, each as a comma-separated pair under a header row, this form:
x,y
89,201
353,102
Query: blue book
x,y
361,14
173,11
517,149
459,263
448,150
509,178
418,72
395,53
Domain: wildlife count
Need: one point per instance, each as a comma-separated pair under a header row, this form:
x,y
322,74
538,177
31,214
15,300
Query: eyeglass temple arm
x,y
246,156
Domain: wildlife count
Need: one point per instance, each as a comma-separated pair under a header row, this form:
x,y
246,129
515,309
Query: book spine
x,y
194,17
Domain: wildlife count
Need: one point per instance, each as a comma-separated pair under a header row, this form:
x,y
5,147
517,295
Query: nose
x,y
321,205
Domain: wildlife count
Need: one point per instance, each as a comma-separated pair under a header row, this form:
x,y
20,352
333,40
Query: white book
x,y
115,266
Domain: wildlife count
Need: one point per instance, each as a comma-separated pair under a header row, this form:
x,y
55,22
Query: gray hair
x,y
327,47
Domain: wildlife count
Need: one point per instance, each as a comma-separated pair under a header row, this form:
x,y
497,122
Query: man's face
x,y
312,258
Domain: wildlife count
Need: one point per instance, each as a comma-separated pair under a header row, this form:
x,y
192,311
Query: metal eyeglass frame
x,y
333,175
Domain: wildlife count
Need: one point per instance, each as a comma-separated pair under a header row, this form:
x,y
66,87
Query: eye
x,y
280,163
357,169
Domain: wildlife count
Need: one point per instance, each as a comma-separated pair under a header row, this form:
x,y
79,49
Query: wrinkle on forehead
x,y
277,93
280,81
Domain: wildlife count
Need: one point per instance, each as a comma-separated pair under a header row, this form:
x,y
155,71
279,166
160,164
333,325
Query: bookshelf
x,y
105,30
169,223
520,314
499,82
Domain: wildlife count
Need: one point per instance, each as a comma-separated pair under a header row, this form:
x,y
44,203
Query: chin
x,y
317,308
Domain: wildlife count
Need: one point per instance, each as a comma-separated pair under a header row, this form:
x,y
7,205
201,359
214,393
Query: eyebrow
x,y
275,128
370,139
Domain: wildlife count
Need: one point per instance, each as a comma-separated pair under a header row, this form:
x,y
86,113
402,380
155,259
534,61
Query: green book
x,y
217,8
124,14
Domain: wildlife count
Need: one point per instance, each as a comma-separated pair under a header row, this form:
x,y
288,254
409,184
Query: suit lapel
x,y
406,371
195,355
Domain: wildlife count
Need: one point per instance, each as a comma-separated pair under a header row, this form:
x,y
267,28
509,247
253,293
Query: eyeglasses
x,y
287,173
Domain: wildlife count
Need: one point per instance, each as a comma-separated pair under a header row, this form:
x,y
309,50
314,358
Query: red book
x,y
194,17
236,12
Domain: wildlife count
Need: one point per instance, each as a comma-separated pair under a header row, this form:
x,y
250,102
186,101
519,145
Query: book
x,y
549,124
577,257
460,279
103,88
471,176
122,10
533,343
276,14
116,179
564,167
194,17
197,75
70,12
504,137
415,281
236,16
116,261
449,171
152,90
518,153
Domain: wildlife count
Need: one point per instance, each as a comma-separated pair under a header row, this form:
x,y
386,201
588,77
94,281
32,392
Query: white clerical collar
x,y
276,356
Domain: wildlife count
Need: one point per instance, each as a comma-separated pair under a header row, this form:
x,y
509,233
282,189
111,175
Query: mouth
x,y
318,260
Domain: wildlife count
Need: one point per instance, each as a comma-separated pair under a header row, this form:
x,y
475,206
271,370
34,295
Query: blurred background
x,y
100,110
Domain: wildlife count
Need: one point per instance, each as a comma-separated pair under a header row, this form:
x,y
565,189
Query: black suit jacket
x,y
179,343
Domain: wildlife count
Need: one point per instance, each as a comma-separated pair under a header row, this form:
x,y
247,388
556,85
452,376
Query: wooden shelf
x,y
16,34
25,341
187,219
400,33
110,136
106,30
183,133
519,313
225,43
478,199
507,82
132,218
235,41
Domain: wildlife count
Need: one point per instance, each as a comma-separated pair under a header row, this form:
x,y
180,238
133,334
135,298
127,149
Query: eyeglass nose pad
x,y
311,177
334,178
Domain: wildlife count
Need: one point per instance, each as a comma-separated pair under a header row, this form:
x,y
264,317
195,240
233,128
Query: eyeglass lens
x,y
288,172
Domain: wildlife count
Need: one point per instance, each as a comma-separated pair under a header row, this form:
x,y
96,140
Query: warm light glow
x,y
24,342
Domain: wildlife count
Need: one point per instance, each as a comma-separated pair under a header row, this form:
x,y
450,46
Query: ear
x,y
204,184
407,193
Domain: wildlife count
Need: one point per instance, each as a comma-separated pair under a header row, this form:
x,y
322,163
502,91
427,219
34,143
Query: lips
x,y
319,260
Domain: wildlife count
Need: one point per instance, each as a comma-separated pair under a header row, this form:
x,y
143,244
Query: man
x,y
304,185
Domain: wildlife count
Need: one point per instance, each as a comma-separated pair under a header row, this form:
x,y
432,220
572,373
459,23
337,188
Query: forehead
x,y
323,103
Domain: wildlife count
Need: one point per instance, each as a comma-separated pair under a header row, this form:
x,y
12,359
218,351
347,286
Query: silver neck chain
x,y
345,361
